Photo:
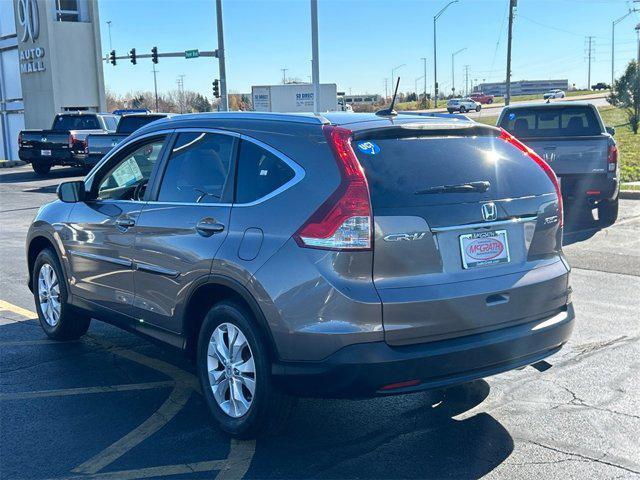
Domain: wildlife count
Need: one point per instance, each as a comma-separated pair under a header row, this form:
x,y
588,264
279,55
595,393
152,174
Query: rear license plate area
x,y
484,248
45,153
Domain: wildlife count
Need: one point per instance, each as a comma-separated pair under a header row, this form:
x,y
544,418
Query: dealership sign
x,y
31,59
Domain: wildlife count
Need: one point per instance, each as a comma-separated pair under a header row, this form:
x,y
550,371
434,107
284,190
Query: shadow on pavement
x,y
410,436
30,176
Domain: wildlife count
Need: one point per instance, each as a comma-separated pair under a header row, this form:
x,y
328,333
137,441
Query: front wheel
x,y
608,212
463,109
450,110
234,369
41,168
478,108
57,318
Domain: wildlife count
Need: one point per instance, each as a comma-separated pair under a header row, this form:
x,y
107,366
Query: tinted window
x,y
551,122
397,168
197,169
127,179
76,122
259,173
111,122
131,124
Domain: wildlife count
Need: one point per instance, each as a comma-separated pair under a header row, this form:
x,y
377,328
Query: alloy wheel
x,y
49,294
231,369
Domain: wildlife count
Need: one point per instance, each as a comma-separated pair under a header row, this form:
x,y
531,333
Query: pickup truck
x,y
98,145
482,98
573,140
64,144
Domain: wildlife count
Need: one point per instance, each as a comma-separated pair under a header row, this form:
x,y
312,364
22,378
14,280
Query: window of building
x,y
198,168
72,10
259,173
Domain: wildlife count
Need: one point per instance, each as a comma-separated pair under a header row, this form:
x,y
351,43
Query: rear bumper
x,y
588,189
57,157
362,370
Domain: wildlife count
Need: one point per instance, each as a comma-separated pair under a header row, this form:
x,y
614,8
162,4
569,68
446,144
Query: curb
x,y
629,194
11,163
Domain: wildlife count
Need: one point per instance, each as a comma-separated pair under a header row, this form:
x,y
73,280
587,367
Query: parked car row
x,y
78,139
335,255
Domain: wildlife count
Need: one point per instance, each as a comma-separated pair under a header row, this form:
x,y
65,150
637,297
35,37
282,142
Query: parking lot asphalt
x,y
114,405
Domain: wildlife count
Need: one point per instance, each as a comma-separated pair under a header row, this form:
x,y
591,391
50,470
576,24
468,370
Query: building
x,y
50,58
365,99
522,87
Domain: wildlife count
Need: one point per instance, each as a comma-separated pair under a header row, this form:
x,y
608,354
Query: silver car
x,y
463,105
338,255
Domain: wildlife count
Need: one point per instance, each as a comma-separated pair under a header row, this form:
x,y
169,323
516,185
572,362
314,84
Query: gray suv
x,y
337,255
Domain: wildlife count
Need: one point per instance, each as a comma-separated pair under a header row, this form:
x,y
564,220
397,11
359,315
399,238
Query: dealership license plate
x,y
484,248
45,153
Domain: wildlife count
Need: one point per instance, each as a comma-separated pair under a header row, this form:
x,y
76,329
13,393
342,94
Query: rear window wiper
x,y
471,187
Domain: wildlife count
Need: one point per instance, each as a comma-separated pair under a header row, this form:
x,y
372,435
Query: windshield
x,y
131,124
551,122
75,122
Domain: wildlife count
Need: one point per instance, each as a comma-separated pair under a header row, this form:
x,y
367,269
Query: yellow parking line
x,y
86,390
152,472
23,312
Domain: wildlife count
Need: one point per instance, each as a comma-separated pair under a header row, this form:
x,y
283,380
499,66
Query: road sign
x,y
191,54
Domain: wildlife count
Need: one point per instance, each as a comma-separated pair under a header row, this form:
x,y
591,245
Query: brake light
x,y
507,137
20,139
72,140
612,158
343,221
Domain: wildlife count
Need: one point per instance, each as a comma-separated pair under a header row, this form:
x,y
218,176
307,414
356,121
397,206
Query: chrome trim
x,y
484,224
102,258
149,268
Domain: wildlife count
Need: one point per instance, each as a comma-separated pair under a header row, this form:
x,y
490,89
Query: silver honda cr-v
x,y
342,255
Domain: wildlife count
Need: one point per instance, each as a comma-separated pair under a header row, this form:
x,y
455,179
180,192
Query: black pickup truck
x,y
573,140
98,145
65,143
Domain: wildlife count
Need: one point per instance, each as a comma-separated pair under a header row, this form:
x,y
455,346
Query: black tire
x,y
269,408
450,110
463,109
608,212
71,325
41,168
478,108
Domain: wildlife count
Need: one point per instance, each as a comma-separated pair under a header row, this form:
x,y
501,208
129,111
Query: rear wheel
x,y
478,108
450,110
57,318
234,369
608,212
41,168
462,109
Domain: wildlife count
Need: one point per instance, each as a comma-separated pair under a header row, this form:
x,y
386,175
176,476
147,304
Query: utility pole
x,y
386,85
637,95
315,67
155,85
424,64
180,82
507,97
109,25
466,79
435,63
453,68
284,75
224,101
590,44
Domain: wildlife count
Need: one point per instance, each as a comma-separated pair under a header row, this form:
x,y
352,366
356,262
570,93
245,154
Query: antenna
x,y
390,112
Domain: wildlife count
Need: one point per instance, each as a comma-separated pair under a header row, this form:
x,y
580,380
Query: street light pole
x,y
224,101
315,67
109,25
393,72
424,64
453,75
435,63
507,97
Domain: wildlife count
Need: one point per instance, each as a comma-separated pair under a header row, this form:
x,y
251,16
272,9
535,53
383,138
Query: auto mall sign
x,y
31,59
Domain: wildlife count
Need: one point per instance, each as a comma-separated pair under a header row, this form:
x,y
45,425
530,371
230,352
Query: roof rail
x,y
308,118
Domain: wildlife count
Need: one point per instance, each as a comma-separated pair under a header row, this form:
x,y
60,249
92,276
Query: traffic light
x,y
112,57
154,54
216,88
132,56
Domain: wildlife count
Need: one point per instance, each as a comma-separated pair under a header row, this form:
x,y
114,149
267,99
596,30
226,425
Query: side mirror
x,y
72,192
611,131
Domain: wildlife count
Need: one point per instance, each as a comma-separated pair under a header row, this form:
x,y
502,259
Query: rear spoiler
x,y
417,129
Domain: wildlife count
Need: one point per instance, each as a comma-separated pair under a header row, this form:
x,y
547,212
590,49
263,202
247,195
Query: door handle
x,y
208,226
125,222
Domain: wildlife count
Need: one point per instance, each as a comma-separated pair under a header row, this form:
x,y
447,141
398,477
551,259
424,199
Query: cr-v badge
x,y
398,237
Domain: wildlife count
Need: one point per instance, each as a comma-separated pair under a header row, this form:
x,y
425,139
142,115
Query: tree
x,y
626,94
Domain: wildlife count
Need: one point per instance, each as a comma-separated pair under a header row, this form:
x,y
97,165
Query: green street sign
x,y
191,54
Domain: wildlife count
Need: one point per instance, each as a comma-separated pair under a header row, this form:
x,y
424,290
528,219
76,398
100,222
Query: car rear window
x,y
397,168
76,122
131,124
551,122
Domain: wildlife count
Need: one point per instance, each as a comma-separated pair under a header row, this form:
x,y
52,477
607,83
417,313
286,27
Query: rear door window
x,y
197,169
76,122
397,169
551,122
259,173
129,125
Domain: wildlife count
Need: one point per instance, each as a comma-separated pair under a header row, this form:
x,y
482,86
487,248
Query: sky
x,y
361,41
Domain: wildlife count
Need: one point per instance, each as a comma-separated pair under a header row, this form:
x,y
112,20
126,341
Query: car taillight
x,y
343,221
612,158
507,137
72,140
20,139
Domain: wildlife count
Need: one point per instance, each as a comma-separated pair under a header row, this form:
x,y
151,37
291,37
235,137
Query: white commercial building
x,y
50,62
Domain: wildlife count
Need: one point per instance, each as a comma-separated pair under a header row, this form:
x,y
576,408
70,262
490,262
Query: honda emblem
x,y
489,211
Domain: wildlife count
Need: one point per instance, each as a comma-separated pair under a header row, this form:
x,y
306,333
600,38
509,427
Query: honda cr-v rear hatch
x,y
467,230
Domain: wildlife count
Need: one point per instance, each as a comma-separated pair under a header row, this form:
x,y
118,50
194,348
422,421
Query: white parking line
x,y
152,472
